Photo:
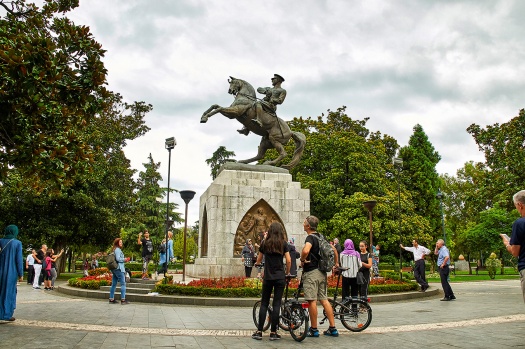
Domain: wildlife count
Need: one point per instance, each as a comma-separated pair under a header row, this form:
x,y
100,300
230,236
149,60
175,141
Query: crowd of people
x,y
41,267
353,262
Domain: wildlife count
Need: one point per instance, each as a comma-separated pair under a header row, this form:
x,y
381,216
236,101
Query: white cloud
x,y
444,65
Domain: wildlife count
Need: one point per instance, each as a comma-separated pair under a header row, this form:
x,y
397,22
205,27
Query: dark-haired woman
x,y
367,261
47,271
273,248
119,274
54,274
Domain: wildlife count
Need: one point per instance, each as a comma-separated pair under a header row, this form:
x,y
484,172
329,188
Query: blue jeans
x,y
118,276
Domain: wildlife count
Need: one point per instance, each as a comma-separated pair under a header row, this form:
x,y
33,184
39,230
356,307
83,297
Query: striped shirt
x,y
352,263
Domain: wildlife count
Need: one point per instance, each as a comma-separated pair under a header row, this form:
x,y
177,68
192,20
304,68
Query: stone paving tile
x,y
483,300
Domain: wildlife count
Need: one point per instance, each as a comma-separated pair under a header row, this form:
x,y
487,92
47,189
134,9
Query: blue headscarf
x,y
349,248
11,232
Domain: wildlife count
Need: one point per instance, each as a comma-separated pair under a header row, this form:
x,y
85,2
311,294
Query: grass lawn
x,y
462,276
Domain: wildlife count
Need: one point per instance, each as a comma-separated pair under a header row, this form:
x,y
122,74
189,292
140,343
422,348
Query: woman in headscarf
x,y
247,256
350,259
11,269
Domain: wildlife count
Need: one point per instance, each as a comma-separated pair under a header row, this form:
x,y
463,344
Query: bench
x,y
407,269
480,268
475,267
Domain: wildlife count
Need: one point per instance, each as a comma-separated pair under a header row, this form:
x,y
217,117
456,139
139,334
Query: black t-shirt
x,y
147,247
273,263
313,255
40,256
363,269
518,238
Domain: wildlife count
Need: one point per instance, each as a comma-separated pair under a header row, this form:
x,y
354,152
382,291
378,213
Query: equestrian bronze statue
x,y
257,118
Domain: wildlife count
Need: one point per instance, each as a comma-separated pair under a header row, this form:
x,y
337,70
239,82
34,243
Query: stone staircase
x,y
133,287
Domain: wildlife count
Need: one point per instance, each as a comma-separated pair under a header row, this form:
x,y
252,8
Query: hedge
x,y
133,266
249,292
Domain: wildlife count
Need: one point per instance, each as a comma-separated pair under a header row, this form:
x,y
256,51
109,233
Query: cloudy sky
x,y
441,64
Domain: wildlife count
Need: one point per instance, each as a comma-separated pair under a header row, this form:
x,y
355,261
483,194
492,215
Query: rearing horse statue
x,y
275,132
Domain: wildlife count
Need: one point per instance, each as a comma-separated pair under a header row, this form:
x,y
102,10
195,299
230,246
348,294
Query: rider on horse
x,y
274,95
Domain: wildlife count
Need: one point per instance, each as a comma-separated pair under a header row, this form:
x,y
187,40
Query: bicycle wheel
x,y
335,308
283,320
298,322
356,315
256,309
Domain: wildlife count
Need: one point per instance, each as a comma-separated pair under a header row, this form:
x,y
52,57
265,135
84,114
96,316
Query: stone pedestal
x,y
232,208
461,265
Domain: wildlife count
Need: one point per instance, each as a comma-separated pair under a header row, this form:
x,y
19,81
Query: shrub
x,y
493,264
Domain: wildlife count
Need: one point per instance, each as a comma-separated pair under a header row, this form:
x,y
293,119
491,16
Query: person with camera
x,y
147,252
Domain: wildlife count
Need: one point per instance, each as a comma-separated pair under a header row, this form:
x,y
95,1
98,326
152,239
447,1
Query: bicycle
x,y
354,313
293,318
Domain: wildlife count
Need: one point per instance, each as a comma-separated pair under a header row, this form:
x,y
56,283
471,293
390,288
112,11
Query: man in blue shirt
x,y
443,263
517,239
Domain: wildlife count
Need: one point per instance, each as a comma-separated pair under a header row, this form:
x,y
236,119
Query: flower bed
x,y
92,282
242,287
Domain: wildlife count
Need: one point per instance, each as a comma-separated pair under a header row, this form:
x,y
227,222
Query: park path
x,y
485,315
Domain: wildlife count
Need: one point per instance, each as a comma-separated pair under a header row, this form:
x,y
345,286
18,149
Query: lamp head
x,y
170,143
370,204
439,194
187,195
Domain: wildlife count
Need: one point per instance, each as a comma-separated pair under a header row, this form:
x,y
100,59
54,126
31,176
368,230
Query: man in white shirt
x,y
30,261
419,265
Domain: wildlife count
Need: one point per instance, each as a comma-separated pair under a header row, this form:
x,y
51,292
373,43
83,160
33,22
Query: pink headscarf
x,y
349,248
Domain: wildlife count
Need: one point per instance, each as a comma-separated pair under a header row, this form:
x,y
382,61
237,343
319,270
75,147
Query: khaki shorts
x,y
314,284
522,279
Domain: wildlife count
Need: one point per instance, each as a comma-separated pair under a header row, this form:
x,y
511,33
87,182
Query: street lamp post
x,y
170,144
399,163
186,195
370,206
439,195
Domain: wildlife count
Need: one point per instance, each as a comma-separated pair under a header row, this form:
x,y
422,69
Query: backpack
x,y
111,261
327,258
162,248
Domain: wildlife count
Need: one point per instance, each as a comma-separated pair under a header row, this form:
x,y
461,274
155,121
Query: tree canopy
x,y
344,164
52,88
64,178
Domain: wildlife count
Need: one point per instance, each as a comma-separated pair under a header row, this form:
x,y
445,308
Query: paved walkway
x,y
485,315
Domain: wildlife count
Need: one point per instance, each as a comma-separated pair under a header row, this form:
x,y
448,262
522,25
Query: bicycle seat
x,y
342,268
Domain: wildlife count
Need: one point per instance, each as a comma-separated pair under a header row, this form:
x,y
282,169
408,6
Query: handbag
x,y
361,280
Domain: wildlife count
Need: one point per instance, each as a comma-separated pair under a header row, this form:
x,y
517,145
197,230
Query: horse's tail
x,y
300,142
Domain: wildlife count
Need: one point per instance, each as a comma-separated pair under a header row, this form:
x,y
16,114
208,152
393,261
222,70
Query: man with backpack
x,y
317,258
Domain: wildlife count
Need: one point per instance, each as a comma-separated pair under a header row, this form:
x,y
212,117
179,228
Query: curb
x,y
226,302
